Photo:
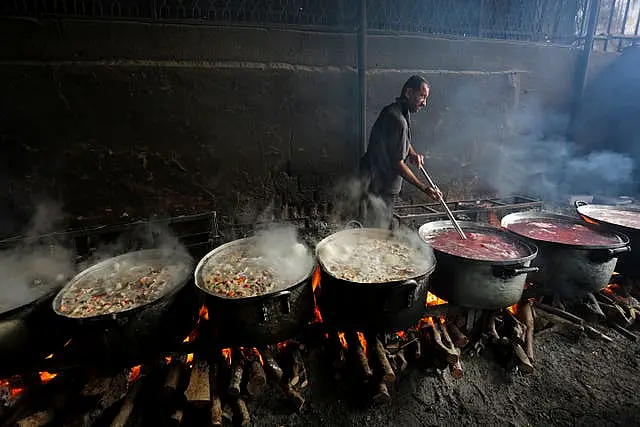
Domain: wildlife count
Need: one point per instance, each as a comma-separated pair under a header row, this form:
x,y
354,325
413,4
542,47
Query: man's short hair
x,y
413,83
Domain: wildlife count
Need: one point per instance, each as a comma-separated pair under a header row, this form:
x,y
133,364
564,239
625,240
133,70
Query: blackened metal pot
x,y
260,320
566,270
611,217
372,307
478,284
139,334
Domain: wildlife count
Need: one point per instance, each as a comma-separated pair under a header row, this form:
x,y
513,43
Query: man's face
x,y
417,98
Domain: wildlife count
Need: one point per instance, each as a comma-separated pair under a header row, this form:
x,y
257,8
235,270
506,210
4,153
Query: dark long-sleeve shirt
x,y
389,143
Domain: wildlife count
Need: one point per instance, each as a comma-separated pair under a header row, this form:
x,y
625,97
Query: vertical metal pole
x,y
624,23
611,13
362,78
583,62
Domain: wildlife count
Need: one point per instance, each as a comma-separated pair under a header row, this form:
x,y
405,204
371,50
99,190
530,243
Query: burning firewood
x,y
615,314
293,396
524,363
593,308
361,358
271,367
126,409
459,339
456,370
526,315
298,369
216,404
559,312
197,392
176,369
381,395
451,354
38,419
378,355
256,378
241,412
235,377
625,332
552,318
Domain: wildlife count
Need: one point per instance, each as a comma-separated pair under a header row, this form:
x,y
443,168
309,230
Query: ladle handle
x,y
444,205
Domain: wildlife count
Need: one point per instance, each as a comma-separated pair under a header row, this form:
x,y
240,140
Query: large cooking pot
x,y
132,335
470,282
29,330
379,305
267,318
569,270
621,219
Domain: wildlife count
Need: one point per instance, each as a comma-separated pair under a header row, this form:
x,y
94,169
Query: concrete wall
x,y
135,119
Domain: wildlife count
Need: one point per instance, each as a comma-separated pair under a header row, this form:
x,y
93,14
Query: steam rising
x,y
525,150
34,267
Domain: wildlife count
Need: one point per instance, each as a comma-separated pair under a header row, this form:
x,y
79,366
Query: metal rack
x,y
481,210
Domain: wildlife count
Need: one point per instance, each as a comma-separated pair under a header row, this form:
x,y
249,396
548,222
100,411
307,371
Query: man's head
x,y
415,93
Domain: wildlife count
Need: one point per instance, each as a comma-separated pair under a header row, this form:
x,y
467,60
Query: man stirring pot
x,y
383,168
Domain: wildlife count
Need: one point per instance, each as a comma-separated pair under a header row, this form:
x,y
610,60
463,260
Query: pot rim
x,y
584,209
177,286
513,217
383,231
239,242
471,225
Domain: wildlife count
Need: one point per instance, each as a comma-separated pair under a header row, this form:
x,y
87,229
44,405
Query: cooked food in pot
x,y
120,286
621,218
564,232
250,269
482,246
374,257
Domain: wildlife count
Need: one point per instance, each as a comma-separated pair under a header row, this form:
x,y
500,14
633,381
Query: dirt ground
x,y
578,381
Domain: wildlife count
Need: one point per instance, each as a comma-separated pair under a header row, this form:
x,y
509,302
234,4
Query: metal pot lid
x,y
550,227
124,283
254,267
484,243
627,216
375,255
30,275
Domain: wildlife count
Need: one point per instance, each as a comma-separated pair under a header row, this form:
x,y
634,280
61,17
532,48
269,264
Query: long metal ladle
x,y
444,205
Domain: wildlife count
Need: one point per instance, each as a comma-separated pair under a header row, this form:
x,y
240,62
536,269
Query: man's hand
x,y
416,159
434,193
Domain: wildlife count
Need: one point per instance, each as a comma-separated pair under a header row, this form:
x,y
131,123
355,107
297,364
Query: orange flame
x,y
203,313
226,353
611,289
168,359
401,334
317,316
343,340
45,376
433,300
425,320
363,342
14,389
49,356
192,336
315,281
513,309
257,353
281,346
134,373
189,359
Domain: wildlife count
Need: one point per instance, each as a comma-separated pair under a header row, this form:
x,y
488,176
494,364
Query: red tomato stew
x,y
564,232
482,246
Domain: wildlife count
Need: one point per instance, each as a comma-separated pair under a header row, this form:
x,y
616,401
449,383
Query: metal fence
x,y
550,21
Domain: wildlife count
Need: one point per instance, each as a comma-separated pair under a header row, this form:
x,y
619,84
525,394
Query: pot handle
x,y
283,295
411,286
579,203
608,254
504,272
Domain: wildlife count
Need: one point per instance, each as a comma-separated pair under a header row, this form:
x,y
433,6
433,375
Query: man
x,y
384,167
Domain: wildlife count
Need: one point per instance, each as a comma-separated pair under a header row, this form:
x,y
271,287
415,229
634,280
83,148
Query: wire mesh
x,y
550,21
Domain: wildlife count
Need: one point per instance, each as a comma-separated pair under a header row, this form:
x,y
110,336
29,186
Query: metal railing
x,y
618,25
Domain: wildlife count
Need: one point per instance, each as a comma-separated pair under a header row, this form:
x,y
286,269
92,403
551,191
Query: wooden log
x,y
294,397
298,369
594,333
443,342
625,332
518,329
399,361
417,349
603,297
559,312
459,339
524,364
177,416
128,404
492,328
256,378
615,314
216,411
241,412
198,391
456,370
526,313
591,303
356,348
271,367
378,356
176,369
37,419
235,376
381,395
214,395
557,319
